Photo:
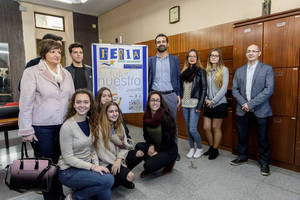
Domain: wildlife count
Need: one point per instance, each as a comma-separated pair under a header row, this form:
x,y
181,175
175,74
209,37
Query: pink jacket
x,y
42,102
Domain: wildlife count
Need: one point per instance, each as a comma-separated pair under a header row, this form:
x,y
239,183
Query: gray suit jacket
x,y
262,89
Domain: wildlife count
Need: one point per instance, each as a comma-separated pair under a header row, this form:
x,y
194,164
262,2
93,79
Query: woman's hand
x,y
208,103
139,153
116,167
29,138
99,169
151,151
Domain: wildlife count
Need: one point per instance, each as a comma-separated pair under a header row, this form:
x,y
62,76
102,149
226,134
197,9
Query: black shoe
x,y
264,170
168,169
129,185
214,153
178,158
144,174
208,151
237,162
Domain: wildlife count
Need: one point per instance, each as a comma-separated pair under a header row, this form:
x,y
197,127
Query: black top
x,y
85,127
79,78
33,62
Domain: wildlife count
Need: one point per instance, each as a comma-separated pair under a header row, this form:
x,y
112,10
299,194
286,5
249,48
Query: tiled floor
x,y
206,180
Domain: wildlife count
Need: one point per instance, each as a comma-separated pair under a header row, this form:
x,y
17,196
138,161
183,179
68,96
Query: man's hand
x,y
178,102
245,107
139,153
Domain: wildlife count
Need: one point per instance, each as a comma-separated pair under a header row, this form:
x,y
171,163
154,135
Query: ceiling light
x,y
72,1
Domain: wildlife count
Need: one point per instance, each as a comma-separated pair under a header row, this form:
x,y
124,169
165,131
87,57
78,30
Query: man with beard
x,y
81,73
163,76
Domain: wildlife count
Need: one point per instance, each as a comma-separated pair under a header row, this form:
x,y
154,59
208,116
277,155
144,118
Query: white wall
x,y
141,20
30,33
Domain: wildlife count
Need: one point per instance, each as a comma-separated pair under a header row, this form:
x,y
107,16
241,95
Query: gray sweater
x,y
213,92
76,148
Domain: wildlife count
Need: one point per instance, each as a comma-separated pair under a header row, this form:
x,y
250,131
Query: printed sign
x,y
122,69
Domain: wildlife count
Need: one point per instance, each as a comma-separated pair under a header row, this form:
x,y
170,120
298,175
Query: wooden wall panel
x,y
243,37
297,142
284,99
85,34
282,138
11,32
280,48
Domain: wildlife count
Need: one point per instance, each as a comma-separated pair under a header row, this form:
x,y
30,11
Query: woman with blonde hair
x,y
112,146
215,104
193,86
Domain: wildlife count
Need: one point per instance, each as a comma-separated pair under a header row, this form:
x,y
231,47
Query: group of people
x,y
87,136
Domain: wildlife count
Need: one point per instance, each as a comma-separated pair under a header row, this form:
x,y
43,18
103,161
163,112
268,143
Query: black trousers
x,y
154,163
243,123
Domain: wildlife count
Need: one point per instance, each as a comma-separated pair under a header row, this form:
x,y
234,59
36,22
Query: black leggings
x,y
121,177
154,163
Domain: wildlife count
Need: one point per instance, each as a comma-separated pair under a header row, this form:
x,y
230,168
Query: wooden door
x,y
282,138
243,37
284,99
281,48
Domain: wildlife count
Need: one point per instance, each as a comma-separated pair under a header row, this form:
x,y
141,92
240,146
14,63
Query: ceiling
x,y
91,7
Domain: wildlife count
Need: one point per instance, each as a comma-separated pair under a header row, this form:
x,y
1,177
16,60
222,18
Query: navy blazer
x,y
261,90
174,69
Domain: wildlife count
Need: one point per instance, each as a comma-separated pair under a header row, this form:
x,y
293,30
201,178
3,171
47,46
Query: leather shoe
x,y
237,162
208,151
264,170
144,174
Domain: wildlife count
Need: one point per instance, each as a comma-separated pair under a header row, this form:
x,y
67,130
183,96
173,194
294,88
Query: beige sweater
x,y
76,148
109,156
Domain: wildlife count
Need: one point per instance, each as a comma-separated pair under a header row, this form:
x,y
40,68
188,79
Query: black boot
x,y
208,151
213,154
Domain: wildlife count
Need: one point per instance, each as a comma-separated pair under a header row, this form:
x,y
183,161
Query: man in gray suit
x,y
253,85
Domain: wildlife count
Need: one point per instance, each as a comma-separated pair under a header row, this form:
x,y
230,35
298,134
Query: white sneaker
x,y
190,153
198,153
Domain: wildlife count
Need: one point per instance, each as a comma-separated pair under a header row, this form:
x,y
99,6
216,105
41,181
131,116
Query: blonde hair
x,y
186,64
105,124
219,69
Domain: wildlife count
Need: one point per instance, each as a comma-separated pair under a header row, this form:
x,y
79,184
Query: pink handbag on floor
x,y
30,174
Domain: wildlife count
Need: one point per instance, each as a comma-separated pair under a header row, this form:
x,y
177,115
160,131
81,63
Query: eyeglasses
x,y
155,100
214,56
192,56
253,51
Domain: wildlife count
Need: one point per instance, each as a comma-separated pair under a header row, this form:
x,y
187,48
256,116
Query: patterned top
x,y
187,101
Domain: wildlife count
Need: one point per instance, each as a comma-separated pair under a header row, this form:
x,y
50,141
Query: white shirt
x,y
250,73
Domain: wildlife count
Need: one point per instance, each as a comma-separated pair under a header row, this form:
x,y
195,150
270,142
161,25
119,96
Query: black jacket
x,y
88,75
199,87
168,143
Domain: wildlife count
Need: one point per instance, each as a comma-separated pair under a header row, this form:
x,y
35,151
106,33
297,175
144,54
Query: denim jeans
x,y
86,183
191,118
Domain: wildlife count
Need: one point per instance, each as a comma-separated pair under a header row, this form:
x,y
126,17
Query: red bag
x,y
30,174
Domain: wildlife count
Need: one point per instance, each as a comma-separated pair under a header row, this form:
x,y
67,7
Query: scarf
x,y
57,76
188,74
155,120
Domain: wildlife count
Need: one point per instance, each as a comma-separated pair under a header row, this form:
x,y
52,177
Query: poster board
x,y
122,69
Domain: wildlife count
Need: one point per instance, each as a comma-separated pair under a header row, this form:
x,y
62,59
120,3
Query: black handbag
x,y
30,174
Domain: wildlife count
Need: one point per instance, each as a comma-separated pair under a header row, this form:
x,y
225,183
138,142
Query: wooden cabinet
x,y
282,138
243,37
284,99
280,48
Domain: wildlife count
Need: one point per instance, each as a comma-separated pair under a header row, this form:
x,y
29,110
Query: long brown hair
x,y
99,95
186,64
219,69
105,126
163,104
92,114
